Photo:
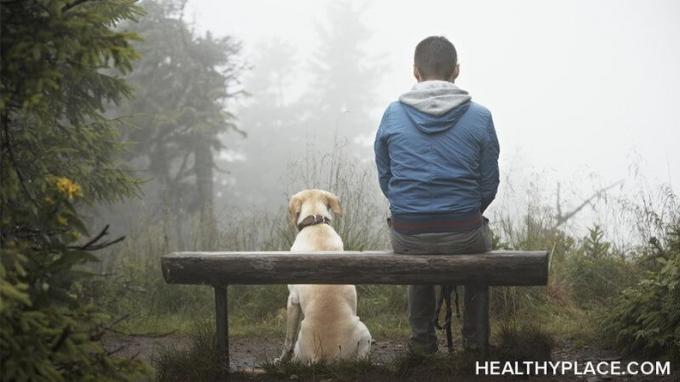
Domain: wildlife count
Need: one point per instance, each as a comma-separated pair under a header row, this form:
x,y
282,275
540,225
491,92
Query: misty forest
x,y
127,133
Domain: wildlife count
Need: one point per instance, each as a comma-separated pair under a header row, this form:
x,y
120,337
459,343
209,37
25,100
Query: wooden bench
x,y
219,269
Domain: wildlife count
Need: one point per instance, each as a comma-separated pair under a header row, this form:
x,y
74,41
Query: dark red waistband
x,y
411,227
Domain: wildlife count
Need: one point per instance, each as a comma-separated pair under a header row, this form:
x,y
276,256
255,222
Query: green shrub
x,y
595,274
646,317
596,280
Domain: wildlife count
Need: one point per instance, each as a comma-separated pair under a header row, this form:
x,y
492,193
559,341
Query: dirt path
x,y
247,353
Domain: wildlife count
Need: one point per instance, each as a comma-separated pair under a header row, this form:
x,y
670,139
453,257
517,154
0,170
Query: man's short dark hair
x,y
436,58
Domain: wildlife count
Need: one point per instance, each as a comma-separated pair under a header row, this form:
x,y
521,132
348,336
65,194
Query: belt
x,y
410,227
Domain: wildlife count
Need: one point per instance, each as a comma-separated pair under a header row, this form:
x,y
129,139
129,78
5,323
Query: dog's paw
x,y
285,357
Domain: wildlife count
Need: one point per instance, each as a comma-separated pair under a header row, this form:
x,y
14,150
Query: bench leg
x,y
222,323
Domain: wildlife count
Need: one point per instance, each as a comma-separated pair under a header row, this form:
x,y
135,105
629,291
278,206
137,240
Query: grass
x,y
201,362
340,371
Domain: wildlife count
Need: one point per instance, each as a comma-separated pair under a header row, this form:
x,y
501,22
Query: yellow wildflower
x,y
61,220
67,187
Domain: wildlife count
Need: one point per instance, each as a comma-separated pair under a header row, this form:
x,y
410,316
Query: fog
x,y
583,94
152,154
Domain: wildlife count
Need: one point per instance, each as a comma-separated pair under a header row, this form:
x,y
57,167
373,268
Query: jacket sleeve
x,y
489,178
382,156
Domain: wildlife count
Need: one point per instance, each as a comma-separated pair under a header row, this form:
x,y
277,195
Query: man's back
x,y
437,154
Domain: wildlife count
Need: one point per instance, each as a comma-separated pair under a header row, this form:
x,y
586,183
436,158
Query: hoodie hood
x,y
435,106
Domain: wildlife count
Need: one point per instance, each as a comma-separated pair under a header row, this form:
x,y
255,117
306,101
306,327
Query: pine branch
x,y
102,330
72,5
116,350
92,244
62,338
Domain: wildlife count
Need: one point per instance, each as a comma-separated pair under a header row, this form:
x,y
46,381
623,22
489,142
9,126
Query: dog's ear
x,y
334,203
294,207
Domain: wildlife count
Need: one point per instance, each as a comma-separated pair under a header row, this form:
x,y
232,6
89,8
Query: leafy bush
x,y
646,317
595,274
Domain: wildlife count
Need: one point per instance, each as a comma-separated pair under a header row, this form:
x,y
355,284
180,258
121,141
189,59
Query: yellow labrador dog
x,y
322,322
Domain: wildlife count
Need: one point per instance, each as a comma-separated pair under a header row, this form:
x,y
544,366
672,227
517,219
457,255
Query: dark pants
x,y
422,300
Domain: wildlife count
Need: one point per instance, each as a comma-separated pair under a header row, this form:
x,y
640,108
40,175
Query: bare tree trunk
x,y
179,222
204,166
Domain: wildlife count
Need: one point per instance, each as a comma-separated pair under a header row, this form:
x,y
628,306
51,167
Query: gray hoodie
x,y
435,97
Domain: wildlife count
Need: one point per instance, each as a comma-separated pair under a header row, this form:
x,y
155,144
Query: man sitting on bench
x,y
437,158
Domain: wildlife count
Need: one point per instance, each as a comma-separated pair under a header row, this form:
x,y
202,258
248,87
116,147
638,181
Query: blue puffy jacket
x,y
437,154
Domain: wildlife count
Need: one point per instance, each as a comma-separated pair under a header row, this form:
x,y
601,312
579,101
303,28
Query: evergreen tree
x,y
594,244
181,85
325,121
61,62
345,77
272,124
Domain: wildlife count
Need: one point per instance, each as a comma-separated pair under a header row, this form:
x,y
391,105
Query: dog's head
x,y
313,202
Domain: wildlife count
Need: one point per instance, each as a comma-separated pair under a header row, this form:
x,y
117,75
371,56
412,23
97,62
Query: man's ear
x,y
455,73
416,73
334,204
294,207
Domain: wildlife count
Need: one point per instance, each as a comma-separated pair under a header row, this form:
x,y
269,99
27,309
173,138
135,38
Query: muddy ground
x,y
248,353
245,352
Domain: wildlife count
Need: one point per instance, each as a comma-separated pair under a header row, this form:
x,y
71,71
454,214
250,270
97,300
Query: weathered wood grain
x,y
374,267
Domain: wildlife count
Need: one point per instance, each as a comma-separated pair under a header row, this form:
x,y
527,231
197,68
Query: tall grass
x,y
132,284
